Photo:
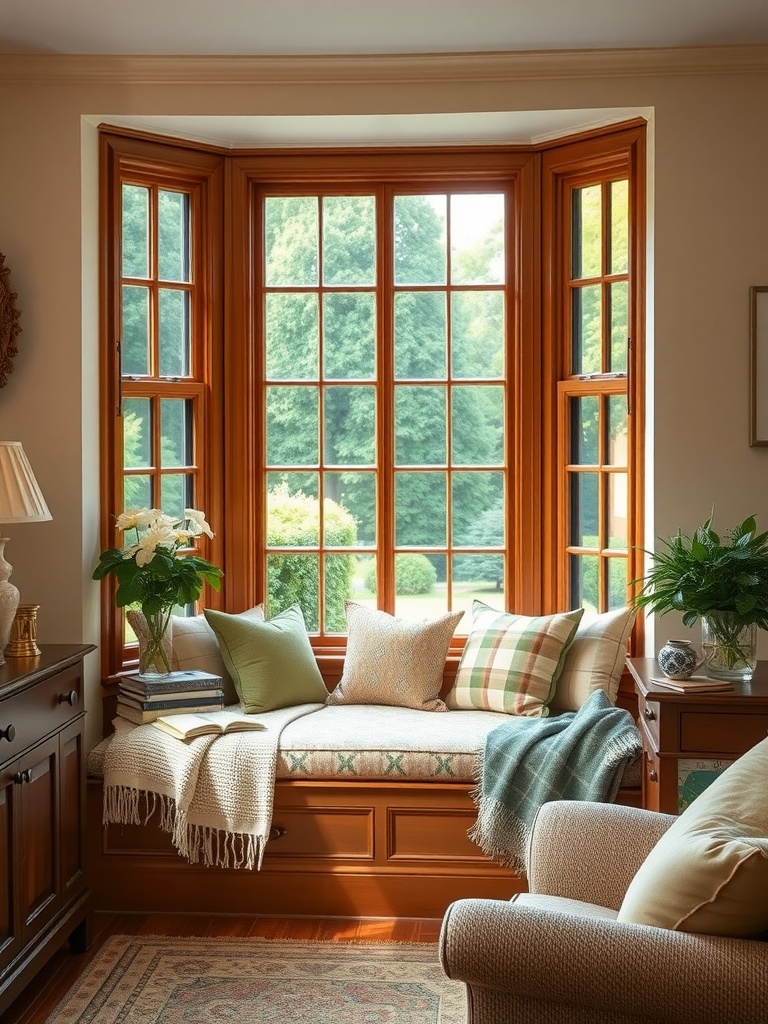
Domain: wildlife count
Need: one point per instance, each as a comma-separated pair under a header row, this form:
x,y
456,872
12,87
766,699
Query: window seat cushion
x,y
370,742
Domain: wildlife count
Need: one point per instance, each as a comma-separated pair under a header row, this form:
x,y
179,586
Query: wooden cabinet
x,y
44,895
689,738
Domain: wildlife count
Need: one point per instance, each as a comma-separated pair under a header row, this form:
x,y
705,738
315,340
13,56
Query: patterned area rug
x,y
159,980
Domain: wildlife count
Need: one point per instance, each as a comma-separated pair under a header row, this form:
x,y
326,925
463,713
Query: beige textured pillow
x,y
393,661
195,646
511,663
595,659
709,872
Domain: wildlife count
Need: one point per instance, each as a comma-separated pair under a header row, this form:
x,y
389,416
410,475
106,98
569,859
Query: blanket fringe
x,y
199,844
123,806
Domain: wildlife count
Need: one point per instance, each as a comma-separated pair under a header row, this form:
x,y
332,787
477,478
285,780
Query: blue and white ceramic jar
x,y
678,660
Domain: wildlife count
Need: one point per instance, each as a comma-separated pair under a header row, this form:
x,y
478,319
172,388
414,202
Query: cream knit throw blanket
x,y
214,794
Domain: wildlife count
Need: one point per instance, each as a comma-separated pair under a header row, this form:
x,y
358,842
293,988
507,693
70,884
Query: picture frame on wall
x,y
758,365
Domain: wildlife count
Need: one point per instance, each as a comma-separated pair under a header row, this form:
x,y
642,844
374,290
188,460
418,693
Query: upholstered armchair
x,y
559,954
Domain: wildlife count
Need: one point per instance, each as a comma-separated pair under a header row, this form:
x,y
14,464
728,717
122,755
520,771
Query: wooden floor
x,y
58,976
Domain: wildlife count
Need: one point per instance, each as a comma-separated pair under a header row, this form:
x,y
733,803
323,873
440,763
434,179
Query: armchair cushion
x,y
709,872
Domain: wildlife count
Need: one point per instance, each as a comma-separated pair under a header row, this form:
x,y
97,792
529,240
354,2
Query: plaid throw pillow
x,y
511,663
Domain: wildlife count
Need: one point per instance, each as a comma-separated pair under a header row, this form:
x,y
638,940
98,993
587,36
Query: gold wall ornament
x,y
9,323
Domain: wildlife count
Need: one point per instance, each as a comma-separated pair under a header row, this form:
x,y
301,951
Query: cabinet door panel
x,y
39,881
10,937
72,789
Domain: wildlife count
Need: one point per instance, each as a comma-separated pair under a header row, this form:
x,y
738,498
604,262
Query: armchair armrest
x,y
563,828
515,958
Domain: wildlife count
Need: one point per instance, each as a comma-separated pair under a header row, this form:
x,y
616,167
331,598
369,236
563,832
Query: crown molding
x,y
381,69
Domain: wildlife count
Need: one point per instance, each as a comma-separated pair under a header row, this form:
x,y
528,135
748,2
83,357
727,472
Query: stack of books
x,y
143,700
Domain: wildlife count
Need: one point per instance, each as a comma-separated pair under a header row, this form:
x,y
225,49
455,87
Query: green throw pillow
x,y
271,663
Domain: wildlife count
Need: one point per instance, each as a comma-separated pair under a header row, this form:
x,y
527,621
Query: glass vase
x,y
155,642
730,648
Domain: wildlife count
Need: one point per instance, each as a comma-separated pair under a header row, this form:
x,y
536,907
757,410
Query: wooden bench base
x,y
356,849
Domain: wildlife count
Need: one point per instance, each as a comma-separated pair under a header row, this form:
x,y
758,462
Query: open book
x,y
186,727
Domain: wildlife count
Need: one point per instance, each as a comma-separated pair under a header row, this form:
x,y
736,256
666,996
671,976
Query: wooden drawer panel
x,y
40,710
719,732
421,835
330,832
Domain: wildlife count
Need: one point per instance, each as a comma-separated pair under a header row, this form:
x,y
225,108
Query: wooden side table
x,y
689,739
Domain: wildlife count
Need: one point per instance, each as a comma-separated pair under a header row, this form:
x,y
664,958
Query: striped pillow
x,y
511,663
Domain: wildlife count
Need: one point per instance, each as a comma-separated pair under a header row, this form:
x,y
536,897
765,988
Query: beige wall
x,y
709,242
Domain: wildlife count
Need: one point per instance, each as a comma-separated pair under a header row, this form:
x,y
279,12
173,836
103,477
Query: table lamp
x,y
21,501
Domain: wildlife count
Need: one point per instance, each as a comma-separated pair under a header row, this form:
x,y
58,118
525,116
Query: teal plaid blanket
x,y
577,755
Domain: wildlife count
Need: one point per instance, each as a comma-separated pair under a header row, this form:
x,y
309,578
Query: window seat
x,y
371,811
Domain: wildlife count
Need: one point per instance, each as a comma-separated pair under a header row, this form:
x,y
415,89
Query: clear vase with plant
x,y
724,582
157,573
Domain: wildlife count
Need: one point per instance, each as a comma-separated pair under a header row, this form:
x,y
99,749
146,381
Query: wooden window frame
x,y
229,449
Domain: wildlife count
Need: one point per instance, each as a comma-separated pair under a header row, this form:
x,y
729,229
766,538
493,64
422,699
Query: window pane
x,y
292,336
584,510
355,495
299,484
350,423
349,240
477,417
176,493
293,511
290,228
587,329
477,239
420,336
137,432
617,510
340,573
617,294
587,232
135,231
617,582
419,595
137,492
616,426
420,247
477,578
585,414
174,333
619,227
135,340
173,240
477,334
420,426
292,426
293,579
584,582
420,510
349,335
478,509
176,427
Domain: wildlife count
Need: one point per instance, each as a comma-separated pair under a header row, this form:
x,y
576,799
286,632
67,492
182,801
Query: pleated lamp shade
x,y
21,500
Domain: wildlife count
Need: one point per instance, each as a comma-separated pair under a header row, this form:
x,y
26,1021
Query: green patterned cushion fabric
x,y
393,661
511,663
271,663
595,659
349,742
195,647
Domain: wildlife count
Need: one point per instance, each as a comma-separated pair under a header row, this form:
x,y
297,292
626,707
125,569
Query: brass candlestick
x,y
23,640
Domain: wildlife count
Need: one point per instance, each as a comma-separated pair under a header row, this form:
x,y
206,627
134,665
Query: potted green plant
x,y
722,581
